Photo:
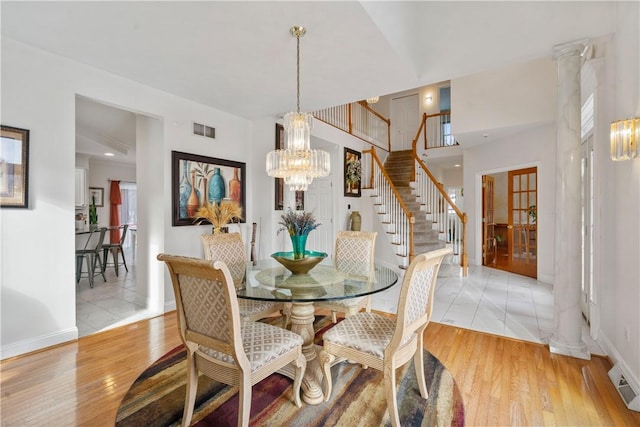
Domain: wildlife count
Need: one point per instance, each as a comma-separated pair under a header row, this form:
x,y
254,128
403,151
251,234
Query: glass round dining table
x,y
270,281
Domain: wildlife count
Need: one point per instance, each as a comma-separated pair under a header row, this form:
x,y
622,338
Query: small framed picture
x,y
96,195
352,173
14,167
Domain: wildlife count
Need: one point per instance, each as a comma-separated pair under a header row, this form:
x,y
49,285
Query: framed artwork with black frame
x,y
352,173
14,167
196,180
279,199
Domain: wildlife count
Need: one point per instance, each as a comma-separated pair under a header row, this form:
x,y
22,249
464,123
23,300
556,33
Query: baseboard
x,y
169,306
619,362
38,343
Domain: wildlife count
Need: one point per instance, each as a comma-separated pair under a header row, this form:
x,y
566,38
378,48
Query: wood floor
x,y
503,381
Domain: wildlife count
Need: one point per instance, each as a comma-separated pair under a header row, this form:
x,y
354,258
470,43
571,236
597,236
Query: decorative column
x,y
567,336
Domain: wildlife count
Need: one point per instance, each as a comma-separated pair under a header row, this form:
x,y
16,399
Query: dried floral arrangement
x,y
298,223
219,214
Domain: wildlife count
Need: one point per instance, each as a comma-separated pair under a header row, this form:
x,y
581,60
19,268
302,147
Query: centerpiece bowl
x,y
300,265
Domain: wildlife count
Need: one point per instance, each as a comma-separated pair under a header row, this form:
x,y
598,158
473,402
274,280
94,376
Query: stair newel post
x,y
415,156
465,262
424,128
411,221
349,118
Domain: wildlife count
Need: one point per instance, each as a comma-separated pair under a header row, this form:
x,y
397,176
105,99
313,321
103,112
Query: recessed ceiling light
x,y
109,154
456,165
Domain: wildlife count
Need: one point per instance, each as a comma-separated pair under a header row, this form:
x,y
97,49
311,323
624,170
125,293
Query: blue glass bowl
x,y
301,265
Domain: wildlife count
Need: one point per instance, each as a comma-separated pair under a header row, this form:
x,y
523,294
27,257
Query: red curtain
x,y
114,213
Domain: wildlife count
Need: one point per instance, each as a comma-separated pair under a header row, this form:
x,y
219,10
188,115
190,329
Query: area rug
x,y
156,398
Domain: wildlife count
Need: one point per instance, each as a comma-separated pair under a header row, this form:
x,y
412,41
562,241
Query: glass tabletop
x,y
270,281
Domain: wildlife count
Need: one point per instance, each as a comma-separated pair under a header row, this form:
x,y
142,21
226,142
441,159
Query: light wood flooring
x,y
503,381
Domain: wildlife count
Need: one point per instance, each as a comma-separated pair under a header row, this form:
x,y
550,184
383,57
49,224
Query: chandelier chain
x,y
298,71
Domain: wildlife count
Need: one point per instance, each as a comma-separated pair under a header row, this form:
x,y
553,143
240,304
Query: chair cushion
x,y
262,344
366,332
250,307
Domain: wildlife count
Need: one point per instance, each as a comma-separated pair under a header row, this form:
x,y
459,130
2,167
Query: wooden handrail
x,y
350,117
407,213
391,185
433,179
461,215
374,112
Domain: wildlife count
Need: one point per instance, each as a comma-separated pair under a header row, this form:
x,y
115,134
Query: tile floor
x,y
109,304
492,301
487,300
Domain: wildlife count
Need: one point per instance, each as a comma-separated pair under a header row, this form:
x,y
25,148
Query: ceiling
x,y
239,57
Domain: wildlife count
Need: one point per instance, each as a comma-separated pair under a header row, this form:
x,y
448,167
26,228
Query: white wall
x,y
38,93
619,281
513,96
532,148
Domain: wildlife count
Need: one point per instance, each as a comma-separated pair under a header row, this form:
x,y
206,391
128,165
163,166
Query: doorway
x,y
405,119
509,232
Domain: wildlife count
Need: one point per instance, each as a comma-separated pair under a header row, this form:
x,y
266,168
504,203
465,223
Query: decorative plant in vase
x,y
219,214
298,224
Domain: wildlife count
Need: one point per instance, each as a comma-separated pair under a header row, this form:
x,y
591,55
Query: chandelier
x,y
373,100
297,163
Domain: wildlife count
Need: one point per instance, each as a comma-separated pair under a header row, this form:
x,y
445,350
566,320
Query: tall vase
x,y
216,187
205,199
299,243
356,221
192,201
185,190
235,190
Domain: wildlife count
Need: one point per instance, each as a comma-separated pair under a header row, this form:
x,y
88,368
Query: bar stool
x,y
91,252
115,248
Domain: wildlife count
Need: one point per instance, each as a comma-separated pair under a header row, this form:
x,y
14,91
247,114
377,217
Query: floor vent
x,y
204,130
629,396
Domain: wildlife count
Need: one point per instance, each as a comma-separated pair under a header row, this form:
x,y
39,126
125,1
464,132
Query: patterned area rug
x,y
156,398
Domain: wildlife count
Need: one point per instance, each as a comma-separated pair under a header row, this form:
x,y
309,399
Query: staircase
x,y
425,236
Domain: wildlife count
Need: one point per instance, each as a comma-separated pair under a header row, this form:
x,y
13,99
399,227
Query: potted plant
x,y
298,225
219,214
93,214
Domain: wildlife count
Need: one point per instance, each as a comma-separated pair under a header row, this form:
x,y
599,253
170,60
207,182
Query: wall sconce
x,y
429,99
625,137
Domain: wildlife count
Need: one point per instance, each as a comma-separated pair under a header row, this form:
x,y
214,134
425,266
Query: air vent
x,y
629,396
204,130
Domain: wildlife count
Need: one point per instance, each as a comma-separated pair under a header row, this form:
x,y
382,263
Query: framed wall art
x,y
198,180
279,199
352,173
14,167
98,193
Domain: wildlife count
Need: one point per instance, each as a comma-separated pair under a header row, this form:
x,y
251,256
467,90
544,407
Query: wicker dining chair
x,y
354,254
386,344
228,247
218,343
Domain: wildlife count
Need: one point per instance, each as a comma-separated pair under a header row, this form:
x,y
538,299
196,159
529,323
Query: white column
x,y
567,337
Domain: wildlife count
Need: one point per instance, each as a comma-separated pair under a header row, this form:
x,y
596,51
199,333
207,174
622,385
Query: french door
x,y
522,227
488,221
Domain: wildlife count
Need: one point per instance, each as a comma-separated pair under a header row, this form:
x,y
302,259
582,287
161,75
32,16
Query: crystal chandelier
x,y
298,164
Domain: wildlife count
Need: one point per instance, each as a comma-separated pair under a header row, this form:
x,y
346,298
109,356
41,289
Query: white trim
x,y
39,343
